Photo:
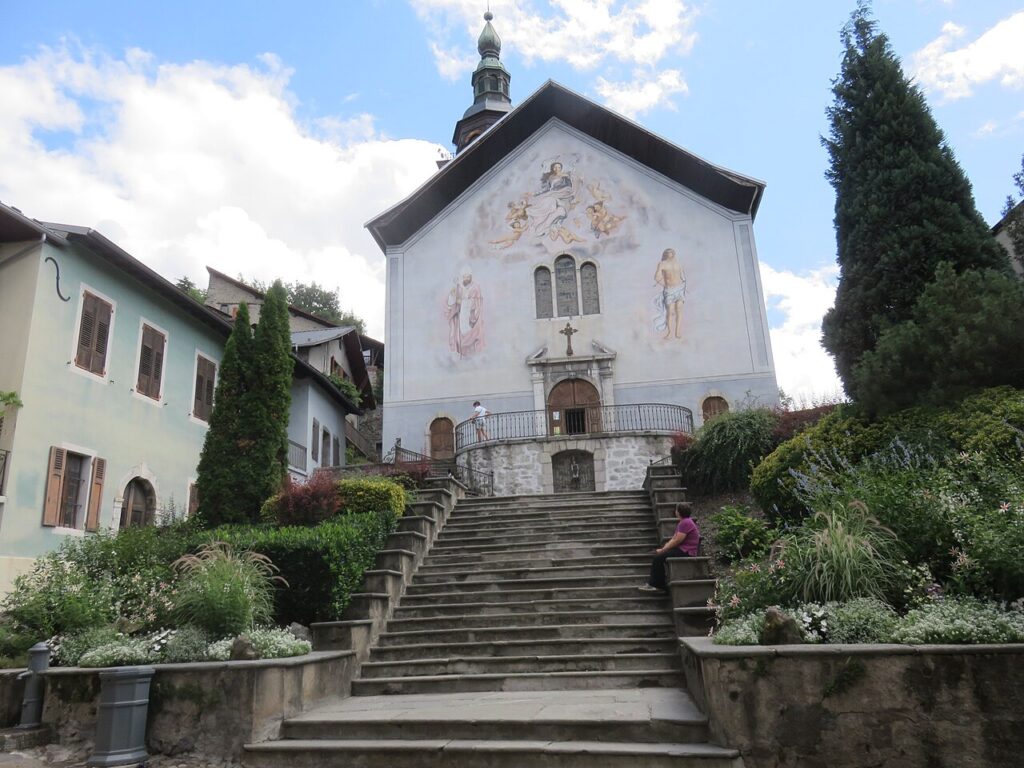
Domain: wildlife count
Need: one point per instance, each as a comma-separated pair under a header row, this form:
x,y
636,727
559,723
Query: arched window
x,y
542,291
442,439
588,287
565,286
139,506
713,406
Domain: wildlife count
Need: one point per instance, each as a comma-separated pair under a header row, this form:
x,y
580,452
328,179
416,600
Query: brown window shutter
x,y
337,452
99,473
54,484
314,446
206,375
159,343
99,354
193,499
197,404
151,362
86,332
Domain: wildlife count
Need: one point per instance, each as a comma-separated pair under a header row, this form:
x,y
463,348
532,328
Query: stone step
x,y
694,622
569,522
538,647
505,665
618,578
692,593
602,553
475,564
457,753
683,568
472,633
588,545
664,677
464,515
434,599
585,497
510,620
530,605
527,536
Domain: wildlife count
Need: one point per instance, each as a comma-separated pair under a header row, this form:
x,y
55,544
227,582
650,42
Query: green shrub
x,y
225,593
752,586
184,645
740,536
863,620
744,630
323,565
375,494
960,621
68,649
726,449
278,644
125,651
56,597
843,553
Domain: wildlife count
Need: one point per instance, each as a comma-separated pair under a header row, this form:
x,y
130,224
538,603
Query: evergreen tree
x,y
224,461
903,204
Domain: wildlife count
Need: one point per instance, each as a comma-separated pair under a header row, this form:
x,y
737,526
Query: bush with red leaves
x,y
306,503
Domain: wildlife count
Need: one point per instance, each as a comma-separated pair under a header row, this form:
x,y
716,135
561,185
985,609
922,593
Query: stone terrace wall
x,y
523,467
850,706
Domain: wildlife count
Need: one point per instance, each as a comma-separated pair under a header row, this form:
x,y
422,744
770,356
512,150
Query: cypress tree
x,y
903,204
223,461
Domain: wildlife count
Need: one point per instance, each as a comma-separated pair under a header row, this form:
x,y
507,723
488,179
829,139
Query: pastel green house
x,y
115,369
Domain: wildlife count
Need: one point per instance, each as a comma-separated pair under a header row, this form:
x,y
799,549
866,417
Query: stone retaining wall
x,y
620,460
850,706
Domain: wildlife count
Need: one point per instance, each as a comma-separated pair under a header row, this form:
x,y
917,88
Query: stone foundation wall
x,y
523,467
848,706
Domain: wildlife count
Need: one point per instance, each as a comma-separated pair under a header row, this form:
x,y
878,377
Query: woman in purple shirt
x,y
684,543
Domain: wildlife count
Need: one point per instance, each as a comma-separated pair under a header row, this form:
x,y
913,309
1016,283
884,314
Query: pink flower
x,y
755,568
734,600
1004,507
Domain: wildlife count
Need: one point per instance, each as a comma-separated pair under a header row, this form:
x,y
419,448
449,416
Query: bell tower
x,y
490,81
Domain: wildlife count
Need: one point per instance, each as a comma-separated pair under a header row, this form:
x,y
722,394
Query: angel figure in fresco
x,y
602,221
464,313
518,218
669,301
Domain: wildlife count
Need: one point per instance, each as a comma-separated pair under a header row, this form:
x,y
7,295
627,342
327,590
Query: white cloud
x,y
586,34
803,368
954,72
643,93
203,164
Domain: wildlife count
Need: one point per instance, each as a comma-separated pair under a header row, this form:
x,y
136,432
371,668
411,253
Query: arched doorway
x,y
572,471
139,505
574,408
442,439
713,406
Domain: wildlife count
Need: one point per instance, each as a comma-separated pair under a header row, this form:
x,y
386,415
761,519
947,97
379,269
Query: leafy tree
x,y
245,455
185,284
1014,213
903,204
964,334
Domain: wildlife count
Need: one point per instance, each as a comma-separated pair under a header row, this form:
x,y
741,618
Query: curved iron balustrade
x,y
574,422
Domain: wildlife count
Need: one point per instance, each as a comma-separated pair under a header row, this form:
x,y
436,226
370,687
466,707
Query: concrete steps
x,y
522,641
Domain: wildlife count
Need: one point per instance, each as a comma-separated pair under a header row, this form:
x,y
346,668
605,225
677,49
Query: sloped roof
x,y
726,188
312,338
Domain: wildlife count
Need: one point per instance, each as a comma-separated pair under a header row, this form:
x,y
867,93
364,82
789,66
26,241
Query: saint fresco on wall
x,y
464,312
668,303
563,207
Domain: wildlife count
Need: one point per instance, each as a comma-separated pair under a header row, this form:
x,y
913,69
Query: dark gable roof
x,y
730,190
125,262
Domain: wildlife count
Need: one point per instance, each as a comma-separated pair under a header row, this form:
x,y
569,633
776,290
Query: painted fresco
x,y
668,303
464,313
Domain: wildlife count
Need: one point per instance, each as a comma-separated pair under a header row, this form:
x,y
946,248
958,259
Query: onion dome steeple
x,y
490,89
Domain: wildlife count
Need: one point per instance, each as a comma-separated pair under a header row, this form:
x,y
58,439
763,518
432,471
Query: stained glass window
x,y
566,296
588,287
542,291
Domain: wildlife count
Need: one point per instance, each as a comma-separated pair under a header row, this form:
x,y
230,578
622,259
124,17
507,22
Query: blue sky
x,y
257,137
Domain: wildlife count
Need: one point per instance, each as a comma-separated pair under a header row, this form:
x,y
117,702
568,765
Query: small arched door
x,y
139,505
713,406
572,471
442,439
574,408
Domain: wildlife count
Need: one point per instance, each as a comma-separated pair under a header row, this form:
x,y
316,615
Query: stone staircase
x,y
522,641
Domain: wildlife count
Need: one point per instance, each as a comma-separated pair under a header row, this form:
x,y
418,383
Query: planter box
x,y
212,708
848,706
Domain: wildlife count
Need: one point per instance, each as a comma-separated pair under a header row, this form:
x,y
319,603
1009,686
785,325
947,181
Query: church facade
x,y
595,287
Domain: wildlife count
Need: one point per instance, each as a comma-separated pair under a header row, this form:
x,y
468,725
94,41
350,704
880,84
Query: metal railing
x,y
401,461
574,422
3,470
296,456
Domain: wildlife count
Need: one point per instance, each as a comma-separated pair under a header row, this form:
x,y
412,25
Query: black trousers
x,y
658,567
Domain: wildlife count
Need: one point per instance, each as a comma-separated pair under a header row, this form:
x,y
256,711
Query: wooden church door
x,y
442,439
574,408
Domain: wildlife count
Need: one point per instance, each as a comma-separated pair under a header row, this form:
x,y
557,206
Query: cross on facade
x,y
568,331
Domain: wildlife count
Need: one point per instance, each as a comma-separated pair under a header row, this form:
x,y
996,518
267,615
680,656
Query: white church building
x,y
593,285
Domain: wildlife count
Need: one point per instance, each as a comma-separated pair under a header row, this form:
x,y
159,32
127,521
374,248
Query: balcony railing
x,y
574,422
418,466
3,470
296,456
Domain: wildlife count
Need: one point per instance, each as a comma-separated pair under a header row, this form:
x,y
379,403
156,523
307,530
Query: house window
x,y
325,449
151,362
206,378
542,292
94,334
713,406
588,289
74,490
566,296
314,444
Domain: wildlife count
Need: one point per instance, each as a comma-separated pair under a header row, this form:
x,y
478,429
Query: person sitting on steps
x,y
684,543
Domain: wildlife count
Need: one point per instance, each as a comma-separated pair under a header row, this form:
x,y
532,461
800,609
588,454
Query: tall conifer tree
x,y
903,204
